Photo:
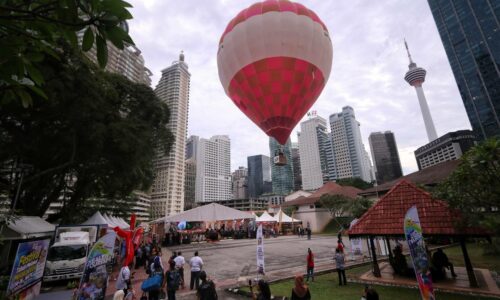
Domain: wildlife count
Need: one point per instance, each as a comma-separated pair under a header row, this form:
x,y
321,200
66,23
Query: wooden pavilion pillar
x,y
389,248
468,265
376,269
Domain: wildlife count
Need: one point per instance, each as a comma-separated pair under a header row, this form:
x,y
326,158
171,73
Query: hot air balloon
x,y
274,59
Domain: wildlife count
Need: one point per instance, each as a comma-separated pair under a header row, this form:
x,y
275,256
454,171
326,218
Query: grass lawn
x,y
478,259
326,287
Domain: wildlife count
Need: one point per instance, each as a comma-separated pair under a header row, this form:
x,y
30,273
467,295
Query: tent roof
x,y
28,227
285,218
265,217
96,219
208,213
387,215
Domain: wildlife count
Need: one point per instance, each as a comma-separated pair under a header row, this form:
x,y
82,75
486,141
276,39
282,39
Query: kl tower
x,y
415,77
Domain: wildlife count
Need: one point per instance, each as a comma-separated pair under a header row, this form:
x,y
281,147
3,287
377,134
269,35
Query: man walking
x,y
310,264
196,264
123,281
179,265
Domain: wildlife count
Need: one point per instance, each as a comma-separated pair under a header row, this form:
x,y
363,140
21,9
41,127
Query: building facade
x,y
450,146
192,146
297,172
281,176
167,192
259,175
142,206
385,156
315,153
244,204
189,183
213,169
470,33
350,157
240,183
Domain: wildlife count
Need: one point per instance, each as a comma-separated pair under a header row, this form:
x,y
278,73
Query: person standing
x,y
339,260
196,264
179,265
310,264
300,291
123,281
173,279
206,290
157,270
309,233
265,291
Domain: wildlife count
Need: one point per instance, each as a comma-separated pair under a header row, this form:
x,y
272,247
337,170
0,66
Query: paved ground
x,y
230,262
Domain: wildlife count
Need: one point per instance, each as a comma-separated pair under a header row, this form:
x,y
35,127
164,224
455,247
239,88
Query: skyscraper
x,y
192,146
415,77
297,172
385,156
189,183
167,192
240,183
259,175
316,156
470,32
349,154
213,169
282,176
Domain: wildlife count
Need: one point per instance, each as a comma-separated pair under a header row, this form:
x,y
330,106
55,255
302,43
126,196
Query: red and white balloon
x,y
274,60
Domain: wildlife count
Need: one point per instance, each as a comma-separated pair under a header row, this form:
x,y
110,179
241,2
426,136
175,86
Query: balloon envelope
x,y
274,59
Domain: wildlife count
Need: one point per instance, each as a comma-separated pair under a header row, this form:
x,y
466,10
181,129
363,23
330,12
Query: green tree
x,y
359,206
355,182
94,139
474,187
337,205
31,31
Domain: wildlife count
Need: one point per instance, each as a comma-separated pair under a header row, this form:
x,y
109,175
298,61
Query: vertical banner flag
x,y
95,276
27,271
260,251
415,240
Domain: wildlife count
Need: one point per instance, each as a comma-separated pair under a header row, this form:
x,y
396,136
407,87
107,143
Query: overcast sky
x,y
369,63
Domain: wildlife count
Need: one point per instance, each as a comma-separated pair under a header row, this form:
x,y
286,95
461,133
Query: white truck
x,y
66,258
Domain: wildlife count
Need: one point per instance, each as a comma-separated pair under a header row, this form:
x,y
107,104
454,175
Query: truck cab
x,y
67,257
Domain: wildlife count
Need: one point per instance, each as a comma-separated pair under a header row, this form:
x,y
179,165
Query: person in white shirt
x,y
123,281
196,264
179,265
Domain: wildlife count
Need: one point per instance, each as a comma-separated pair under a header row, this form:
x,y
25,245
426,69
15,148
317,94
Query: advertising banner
x,y
95,276
415,240
356,247
260,251
28,267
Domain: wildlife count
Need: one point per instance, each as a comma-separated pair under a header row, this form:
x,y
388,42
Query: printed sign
x,y
415,240
28,267
356,247
260,251
95,276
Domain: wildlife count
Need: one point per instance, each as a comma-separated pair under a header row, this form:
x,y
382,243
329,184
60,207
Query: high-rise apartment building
x,y
350,156
189,183
240,183
450,146
470,33
259,175
297,172
192,146
167,192
213,169
282,176
127,61
316,156
385,156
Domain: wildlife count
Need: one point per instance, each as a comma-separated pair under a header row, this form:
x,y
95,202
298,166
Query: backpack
x,y
153,283
173,280
207,291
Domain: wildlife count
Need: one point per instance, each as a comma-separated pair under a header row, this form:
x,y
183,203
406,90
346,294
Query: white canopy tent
x,y
96,219
26,227
266,217
208,213
285,218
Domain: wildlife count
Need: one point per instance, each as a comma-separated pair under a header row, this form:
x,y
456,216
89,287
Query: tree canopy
x,y
474,187
355,182
95,137
31,31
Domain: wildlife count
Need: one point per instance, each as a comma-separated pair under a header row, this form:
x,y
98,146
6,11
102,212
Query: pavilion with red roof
x,y
386,217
